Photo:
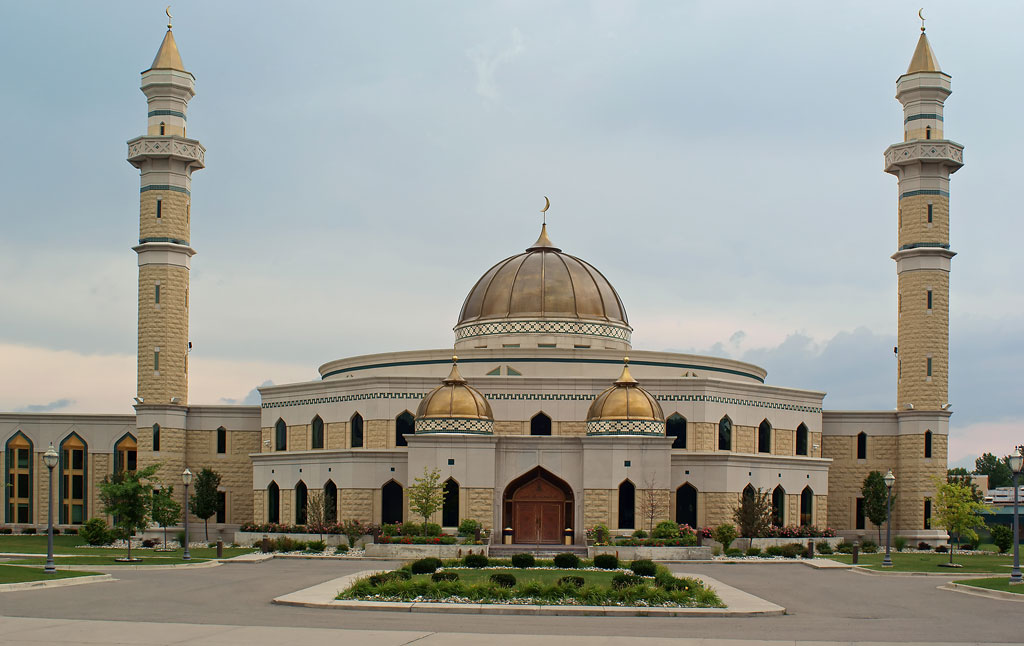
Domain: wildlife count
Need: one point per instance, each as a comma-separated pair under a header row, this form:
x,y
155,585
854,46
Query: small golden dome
x,y
543,283
625,401
454,398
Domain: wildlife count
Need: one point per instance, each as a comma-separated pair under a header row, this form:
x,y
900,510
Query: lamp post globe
x,y
890,480
186,479
50,460
1016,461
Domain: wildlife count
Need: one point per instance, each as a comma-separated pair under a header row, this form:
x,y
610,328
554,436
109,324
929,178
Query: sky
x,y
720,163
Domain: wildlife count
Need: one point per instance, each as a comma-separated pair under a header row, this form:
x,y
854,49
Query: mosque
x,y
541,424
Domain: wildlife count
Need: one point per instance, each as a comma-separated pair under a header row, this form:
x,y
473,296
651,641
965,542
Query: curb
x,y
56,583
127,568
860,569
982,592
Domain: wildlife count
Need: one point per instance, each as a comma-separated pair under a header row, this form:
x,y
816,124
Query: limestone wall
x,y
164,326
358,504
259,506
706,434
597,507
915,479
337,435
915,227
923,333
715,508
379,433
480,506
174,221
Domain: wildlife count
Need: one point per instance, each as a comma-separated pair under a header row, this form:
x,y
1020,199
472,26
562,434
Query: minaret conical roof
x,y
167,57
924,58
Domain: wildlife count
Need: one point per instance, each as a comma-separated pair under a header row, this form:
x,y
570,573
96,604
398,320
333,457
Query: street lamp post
x,y
50,460
890,480
1016,462
186,479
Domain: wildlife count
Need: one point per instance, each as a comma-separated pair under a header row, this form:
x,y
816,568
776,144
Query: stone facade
x,y
163,329
480,506
923,335
597,507
174,221
358,504
912,220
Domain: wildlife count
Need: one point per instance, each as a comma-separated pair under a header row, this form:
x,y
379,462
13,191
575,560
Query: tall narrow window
x,y
126,453
19,479
450,506
807,507
929,299
929,214
927,513
749,494
156,437
318,433
330,502
392,503
779,506
686,505
860,513
273,503
627,505
162,128
301,503
356,424
404,425
222,440
862,446
73,470
540,425
928,132
802,439
928,366
280,436
725,434
675,427
764,437
159,208
156,360
222,507
156,293
927,444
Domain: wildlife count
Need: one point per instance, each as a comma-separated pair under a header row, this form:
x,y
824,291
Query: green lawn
x,y
922,562
13,574
147,559
1001,583
544,577
74,545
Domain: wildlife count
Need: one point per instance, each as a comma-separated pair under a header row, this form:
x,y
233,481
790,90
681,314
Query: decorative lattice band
x,y
626,427
454,425
543,327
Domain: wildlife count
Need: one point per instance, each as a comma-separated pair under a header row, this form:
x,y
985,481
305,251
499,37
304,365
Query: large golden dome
x,y
625,401
543,283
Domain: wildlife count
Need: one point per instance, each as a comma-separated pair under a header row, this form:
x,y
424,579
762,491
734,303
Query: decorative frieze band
x,y
626,427
923,149
454,425
172,146
542,327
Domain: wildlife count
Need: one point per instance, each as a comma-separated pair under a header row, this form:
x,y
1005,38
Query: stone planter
x,y
402,551
632,553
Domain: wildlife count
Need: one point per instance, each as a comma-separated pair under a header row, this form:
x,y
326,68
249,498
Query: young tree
x,y
961,476
426,495
998,471
754,514
653,504
126,496
204,501
875,504
166,510
957,512
316,513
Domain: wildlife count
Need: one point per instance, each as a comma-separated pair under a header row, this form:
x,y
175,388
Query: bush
x,y
503,579
475,560
725,534
665,529
56,531
567,561
793,550
28,530
316,546
71,531
899,542
868,546
601,534
6,530
390,529
469,527
387,577
941,549
572,580
523,560
774,550
823,547
427,565
437,577
284,544
845,547
606,561
95,532
340,549
753,551
410,528
924,546
643,567
620,580
733,551
1002,536
639,533
148,542
432,529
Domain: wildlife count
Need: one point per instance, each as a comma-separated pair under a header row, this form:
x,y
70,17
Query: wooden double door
x,y
538,512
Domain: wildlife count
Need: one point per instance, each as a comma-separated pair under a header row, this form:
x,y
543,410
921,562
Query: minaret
x,y
923,164
165,159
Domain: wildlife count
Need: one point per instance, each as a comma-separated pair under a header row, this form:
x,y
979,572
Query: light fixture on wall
x,y
139,400
908,406
175,400
947,406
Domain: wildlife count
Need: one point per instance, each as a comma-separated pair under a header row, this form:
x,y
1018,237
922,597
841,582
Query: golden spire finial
x,y
455,358
544,211
169,16
625,360
920,14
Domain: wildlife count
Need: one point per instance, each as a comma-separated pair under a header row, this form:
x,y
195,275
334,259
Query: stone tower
x,y
165,158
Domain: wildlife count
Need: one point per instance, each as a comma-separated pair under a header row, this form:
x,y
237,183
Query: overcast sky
x,y
720,163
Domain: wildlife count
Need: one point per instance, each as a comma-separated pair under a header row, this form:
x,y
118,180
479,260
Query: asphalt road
x,y
823,605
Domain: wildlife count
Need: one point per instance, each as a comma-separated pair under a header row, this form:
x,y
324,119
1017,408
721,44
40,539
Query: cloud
x,y
486,66
968,442
48,408
251,399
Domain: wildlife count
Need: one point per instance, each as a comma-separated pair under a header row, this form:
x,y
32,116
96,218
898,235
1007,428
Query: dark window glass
x,y
929,299
77,514
222,506
929,212
675,427
450,508
156,437
357,431
281,435
23,481
686,505
764,437
627,505
927,444
159,208
77,459
301,500
807,506
330,502
273,503
133,460
23,457
391,497
156,294
927,513
860,513
748,493
222,440
929,366
318,433
779,507
540,425
725,434
23,513
404,425
862,446
801,440
77,487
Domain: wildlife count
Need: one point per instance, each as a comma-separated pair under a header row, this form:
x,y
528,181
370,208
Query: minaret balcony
x,y
924,150
173,146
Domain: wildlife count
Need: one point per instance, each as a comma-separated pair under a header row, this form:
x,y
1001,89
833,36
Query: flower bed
x,y
443,539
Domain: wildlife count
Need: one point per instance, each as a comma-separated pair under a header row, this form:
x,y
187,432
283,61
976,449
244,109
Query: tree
x,y
875,500
126,495
754,513
316,513
205,501
960,475
998,471
166,510
957,512
653,504
426,495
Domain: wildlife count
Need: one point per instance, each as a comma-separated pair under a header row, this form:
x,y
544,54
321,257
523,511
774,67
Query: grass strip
x,y
999,583
14,574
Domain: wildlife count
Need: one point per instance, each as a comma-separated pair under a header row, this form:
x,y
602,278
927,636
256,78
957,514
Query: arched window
x,y
725,434
126,453
675,427
807,506
318,433
301,503
19,479
391,503
74,468
627,505
222,440
356,424
862,446
540,425
281,436
928,132
156,437
779,506
405,424
749,494
802,439
764,437
330,502
162,128
273,503
927,444
686,505
450,507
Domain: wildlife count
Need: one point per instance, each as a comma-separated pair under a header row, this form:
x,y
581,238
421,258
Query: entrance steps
x,y
544,551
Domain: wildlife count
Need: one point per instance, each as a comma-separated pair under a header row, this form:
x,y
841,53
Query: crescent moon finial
x,y
547,205
920,14
169,16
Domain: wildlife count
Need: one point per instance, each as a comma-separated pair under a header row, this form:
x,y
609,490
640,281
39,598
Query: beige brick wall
x,y
914,215
480,506
173,221
568,428
923,332
379,433
716,507
287,506
358,504
234,467
847,473
266,439
597,507
337,435
171,456
506,427
259,506
659,501
299,437
706,435
915,479
166,328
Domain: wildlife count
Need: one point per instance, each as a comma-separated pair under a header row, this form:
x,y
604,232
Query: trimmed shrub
x,y
503,579
468,527
869,547
95,532
620,581
773,550
643,567
924,546
523,560
28,530
437,577
899,542
427,565
823,547
845,547
753,551
432,529
665,529
70,531
567,561
639,533
793,550
606,561
1002,536
284,544
148,542
725,534
6,530
410,528
572,580
316,546
390,529
941,549
341,549
475,560
733,551
56,531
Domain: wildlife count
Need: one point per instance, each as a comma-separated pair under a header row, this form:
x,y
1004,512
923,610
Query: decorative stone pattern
x,y
912,221
597,507
171,456
785,441
705,435
923,332
234,467
379,433
480,506
910,151
166,328
454,425
174,220
626,427
298,437
510,427
620,333
185,149
571,429
287,498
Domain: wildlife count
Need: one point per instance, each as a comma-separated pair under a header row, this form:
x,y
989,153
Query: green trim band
x,y
617,362
172,240
168,113
929,191
915,117
164,187
920,245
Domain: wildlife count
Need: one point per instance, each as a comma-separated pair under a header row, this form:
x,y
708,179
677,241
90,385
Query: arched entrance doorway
x,y
538,507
